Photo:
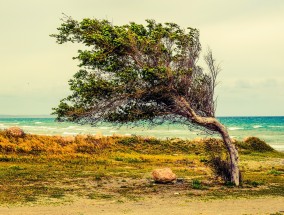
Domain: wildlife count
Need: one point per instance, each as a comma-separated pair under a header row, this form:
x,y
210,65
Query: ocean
x,y
269,129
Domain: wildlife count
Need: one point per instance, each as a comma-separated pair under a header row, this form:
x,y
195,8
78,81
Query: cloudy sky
x,y
246,36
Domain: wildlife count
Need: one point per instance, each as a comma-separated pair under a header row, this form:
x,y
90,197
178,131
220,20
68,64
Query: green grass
x,y
121,170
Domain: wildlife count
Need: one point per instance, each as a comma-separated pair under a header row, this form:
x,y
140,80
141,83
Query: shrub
x,y
275,172
218,159
221,168
129,141
196,184
256,144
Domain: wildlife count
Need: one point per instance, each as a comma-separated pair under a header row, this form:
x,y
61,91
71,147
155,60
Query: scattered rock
x,y
180,180
165,175
15,132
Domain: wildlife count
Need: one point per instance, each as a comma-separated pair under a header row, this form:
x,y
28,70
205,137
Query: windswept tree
x,y
138,72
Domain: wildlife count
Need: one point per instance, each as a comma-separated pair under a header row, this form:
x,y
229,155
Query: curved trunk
x,y
214,125
234,155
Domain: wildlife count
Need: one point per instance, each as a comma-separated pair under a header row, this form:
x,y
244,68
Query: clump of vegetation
x,y
253,183
218,159
255,144
196,184
95,195
276,172
221,168
88,144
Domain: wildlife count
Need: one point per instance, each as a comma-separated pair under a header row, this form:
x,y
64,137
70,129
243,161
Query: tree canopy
x,y
134,72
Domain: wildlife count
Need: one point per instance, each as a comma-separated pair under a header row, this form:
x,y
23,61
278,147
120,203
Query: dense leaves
x,y
134,72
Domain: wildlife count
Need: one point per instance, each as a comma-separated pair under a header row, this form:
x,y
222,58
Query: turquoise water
x,y
270,129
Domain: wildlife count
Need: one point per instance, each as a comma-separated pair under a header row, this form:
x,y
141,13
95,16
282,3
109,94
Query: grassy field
x,y
51,169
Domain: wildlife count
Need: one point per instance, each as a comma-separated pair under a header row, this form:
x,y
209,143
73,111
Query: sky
x,y
246,36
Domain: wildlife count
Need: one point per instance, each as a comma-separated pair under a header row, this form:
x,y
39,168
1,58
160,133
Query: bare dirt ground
x,y
157,206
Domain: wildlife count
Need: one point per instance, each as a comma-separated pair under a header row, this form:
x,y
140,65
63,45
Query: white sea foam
x,y
51,128
42,127
235,128
70,127
257,126
276,126
104,128
70,133
174,131
80,129
113,131
278,147
38,122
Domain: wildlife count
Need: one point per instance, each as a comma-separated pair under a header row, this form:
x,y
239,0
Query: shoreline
x,y
270,129
277,147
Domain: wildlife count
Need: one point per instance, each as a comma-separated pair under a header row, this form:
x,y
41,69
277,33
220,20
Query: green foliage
x,y
218,159
254,183
133,72
255,144
130,141
196,184
276,172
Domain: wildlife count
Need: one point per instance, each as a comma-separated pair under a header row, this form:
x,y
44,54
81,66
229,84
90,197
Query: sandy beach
x,y
158,206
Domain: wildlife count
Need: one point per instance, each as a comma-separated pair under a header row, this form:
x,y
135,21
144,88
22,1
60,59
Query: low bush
x,y
255,144
218,159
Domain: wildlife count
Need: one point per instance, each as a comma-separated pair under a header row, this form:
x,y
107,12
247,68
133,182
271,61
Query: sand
x,y
157,206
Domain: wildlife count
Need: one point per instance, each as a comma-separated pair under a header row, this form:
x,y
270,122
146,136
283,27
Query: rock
x,y
180,180
165,175
15,132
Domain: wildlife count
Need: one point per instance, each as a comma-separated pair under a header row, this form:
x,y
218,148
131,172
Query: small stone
x,y
180,180
15,132
176,193
165,175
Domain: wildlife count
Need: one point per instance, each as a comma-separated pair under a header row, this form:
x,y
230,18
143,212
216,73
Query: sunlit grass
x,y
38,169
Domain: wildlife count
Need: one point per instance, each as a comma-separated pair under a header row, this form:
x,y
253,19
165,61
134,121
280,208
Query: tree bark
x,y
213,124
234,155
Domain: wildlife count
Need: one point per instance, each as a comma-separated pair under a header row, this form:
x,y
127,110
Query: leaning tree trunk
x,y
233,152
213,124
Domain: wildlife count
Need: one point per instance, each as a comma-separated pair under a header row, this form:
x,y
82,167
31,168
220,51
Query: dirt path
x,y
173,206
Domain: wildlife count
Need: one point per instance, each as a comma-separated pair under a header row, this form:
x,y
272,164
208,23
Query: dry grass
x,y
39,169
